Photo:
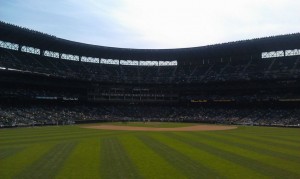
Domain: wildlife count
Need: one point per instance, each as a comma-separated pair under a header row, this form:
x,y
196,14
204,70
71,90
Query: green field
x,y
74,152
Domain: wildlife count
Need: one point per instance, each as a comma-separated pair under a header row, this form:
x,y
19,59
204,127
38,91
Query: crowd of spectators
x,y
194,73
37,115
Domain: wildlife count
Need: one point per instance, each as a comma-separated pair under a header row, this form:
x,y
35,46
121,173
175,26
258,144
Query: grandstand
x,y
37,69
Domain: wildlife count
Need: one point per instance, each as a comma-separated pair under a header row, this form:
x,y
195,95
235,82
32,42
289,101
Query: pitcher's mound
x,y
189,128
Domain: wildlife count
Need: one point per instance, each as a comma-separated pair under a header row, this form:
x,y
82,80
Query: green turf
x,y
74,152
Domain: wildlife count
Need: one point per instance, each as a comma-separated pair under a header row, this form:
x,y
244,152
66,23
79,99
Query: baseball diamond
x,y
75,110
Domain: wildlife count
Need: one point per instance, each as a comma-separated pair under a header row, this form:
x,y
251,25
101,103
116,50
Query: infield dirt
x,y
189,128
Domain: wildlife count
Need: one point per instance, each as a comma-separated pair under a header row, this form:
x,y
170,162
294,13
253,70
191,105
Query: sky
x,y
155,24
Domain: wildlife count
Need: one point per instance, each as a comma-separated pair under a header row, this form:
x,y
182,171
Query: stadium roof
x,y
24,36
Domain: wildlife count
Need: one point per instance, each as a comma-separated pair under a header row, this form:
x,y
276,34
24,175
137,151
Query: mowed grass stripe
x,y
149,163
276,141
46,131
37,130
278,134
83,162
221,167
45,139
16,163
293,139
281,145
115,162
251,145
30,134
275,134
267,130
265,165
48,165
186,165
6,152
291,133
60,137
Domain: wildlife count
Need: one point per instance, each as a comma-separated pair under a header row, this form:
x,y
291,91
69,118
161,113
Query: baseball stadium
x,y
75,110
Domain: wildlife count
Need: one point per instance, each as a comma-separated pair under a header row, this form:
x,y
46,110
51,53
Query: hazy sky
x,y
155,23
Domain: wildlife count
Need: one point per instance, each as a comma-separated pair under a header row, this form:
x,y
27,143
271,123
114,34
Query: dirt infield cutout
x,y
189,128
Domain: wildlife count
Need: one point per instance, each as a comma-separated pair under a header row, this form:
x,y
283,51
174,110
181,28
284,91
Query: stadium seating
x,y
232,71
37,67
36,115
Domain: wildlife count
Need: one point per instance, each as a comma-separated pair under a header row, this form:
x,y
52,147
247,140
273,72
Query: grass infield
x,y
75,152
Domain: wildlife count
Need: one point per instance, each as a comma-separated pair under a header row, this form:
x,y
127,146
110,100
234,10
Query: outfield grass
x,y
74,152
